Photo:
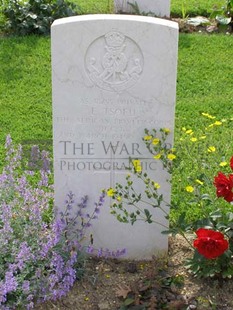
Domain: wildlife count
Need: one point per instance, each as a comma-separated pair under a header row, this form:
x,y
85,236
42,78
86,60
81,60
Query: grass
x,y
178,7
92,6
194,7
25,88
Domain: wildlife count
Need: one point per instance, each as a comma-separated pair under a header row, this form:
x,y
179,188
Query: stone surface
x,y
113,76
160,8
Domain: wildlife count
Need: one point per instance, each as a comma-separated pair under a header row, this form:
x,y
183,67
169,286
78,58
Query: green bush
x,y
35,16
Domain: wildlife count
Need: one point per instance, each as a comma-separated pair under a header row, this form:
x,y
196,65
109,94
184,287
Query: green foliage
x,y
34,16
224,15
198,190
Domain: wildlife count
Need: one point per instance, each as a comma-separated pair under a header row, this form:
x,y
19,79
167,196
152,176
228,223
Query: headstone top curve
x,y
115,17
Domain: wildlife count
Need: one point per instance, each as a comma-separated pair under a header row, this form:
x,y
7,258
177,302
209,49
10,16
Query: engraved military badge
x,y
114,62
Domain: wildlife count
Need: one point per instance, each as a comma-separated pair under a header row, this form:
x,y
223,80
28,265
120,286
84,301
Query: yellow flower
x,y
171,156
208,115
110,192
223,164
193,139
86,298
199,182
166,130
156,185
147,138
119,198
218,123
137,165
202,137
211,149
155,141
189,188
157,156
189,132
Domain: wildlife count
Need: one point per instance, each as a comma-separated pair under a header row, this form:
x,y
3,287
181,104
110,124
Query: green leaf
x,y
128,301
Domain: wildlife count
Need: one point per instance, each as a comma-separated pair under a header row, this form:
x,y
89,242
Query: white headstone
x,y
160,8
113,76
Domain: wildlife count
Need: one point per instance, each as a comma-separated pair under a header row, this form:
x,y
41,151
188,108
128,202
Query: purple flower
x,y
26,286
45,161
10,282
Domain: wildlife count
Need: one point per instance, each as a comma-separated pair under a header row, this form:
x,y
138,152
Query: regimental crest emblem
x,y
114,62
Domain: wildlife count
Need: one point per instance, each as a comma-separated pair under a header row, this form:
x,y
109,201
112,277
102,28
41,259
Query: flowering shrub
x,y
40,256
213,247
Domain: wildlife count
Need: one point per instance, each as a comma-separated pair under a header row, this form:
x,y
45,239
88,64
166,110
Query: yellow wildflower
x,y
217,123
223,164
156,185
208,115
189,189
166,130
119,198
199,182
155,141
203,137
171,156
193,139
211,149
158,156
137,165
189,132
147,138
110,192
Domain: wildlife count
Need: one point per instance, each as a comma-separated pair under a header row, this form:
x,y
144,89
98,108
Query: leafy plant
x,y
213,247
40,256
224,16
35,16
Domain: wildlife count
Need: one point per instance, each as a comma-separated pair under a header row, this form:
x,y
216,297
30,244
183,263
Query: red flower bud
x,y
210,243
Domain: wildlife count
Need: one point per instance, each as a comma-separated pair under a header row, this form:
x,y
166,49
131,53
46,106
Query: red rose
x,y
224,186
231,163
210,243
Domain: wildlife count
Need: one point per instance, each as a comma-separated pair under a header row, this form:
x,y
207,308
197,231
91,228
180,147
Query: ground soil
x,y
161,283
